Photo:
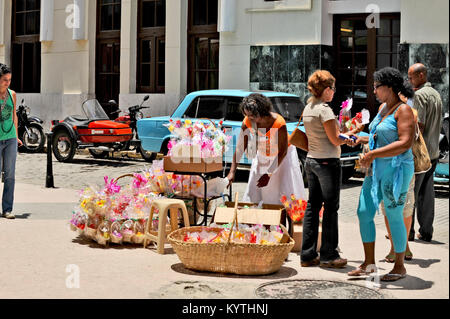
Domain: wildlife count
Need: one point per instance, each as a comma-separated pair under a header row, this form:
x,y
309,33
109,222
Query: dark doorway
x,y
359,52
203,45
107,75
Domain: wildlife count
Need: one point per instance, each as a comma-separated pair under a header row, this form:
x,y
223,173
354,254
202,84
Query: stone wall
x,y
286,68
435,58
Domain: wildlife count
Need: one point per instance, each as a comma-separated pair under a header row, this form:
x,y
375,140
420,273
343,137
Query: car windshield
x,y
93,110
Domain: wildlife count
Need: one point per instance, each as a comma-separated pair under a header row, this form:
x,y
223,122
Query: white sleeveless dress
x,y
285,180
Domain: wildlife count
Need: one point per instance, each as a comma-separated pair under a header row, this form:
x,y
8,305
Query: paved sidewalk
x,y
39,248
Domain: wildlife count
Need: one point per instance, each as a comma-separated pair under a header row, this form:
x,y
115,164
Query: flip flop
x,y
392,277
359,272
390,258
408,255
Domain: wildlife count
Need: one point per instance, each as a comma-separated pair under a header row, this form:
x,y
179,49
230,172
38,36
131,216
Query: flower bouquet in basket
x,y
78,221
138,237
92,225
103,235
116,235
127,230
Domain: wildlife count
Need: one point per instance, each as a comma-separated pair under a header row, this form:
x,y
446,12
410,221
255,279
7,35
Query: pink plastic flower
x,y
111,187
139,181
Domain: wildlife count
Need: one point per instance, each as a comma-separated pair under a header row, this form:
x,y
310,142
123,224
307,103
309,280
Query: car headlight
x,y
27,110
139,116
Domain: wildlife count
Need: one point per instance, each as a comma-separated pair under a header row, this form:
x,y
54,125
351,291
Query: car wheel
x,y
64,146
147,156
165,148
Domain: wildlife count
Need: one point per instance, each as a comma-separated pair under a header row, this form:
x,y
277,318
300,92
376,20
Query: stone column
x,y
79,30
176,52
128,47
47,10
5,31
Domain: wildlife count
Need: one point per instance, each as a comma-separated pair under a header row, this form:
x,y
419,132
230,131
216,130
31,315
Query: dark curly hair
x,y
4,69
392,78
408,90
257,105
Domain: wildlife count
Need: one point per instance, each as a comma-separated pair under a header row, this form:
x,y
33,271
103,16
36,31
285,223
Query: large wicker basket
x,y
235,258
229,257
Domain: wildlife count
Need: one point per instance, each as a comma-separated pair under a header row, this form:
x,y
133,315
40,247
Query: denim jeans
x,y
324,184
8,155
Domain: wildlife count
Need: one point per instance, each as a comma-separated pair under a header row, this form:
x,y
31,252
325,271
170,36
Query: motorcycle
x,y
30,130
130,118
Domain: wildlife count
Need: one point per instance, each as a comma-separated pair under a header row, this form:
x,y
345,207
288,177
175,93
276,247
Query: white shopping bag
x,y
215,187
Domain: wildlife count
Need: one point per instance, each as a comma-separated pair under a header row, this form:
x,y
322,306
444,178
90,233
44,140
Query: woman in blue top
x,y
390,140
8,140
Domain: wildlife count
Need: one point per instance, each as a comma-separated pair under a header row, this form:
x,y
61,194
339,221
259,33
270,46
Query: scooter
x,y
130,118
30,130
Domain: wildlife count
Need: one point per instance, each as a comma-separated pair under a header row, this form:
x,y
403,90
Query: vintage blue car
x,y
218,105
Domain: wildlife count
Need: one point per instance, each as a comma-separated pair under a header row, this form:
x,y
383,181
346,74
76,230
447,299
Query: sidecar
x,y
93,131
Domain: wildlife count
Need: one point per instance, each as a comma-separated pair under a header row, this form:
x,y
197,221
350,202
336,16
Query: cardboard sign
x,y
224,215
192,164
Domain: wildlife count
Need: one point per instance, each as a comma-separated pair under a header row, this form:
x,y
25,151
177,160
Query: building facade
x,y
66,51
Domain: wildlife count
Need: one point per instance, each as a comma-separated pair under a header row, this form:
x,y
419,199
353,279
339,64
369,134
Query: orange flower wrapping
x,y
295,215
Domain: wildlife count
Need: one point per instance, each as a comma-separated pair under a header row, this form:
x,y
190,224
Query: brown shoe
x,y
310,263
337,263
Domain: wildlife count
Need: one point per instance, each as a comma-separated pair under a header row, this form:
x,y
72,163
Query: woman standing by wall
x,y
8,140
323,170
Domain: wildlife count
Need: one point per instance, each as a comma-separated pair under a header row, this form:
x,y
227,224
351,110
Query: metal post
x,y
49,178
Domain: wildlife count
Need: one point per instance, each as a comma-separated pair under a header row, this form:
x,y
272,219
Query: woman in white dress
x,y
275,169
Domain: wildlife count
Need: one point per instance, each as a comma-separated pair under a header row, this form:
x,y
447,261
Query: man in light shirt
x,y
428,104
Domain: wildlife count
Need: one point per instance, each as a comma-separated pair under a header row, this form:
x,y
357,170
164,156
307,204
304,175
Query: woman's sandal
x,y
360,272
408,255
392,277
390,258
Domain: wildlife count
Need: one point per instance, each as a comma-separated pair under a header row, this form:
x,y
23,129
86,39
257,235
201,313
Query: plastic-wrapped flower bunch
x,y
208,137
169,183
346,122
295,207
78,221
246,234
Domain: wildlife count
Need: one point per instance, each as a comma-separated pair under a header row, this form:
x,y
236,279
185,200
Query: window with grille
x,y
359,53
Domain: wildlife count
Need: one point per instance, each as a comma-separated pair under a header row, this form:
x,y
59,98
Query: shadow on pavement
x,y
407,283
432,242
284,272
422,263
93,244
23,216
102,162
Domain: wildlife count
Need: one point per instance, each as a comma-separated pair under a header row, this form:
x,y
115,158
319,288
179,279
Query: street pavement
x,y
43,254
